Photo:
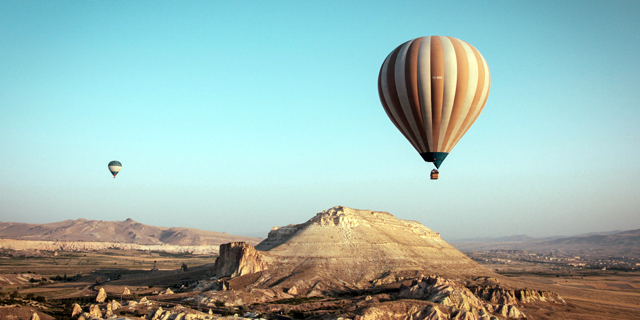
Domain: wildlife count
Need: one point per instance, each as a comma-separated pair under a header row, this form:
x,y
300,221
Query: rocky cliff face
x,y
237,259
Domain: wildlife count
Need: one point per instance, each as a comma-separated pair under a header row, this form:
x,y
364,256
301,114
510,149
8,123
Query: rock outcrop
x,y
445,292
115,305
102,296
344,249
94,311
77,310
497,294
237,259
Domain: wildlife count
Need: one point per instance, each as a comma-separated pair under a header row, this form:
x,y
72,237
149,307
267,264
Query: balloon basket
x,y
434,174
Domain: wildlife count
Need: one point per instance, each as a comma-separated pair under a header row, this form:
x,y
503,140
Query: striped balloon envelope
x,y
115,167
433,89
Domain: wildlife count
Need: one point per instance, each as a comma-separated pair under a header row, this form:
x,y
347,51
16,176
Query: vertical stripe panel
x,y
437,88
402,87
383,92
480,95
389,88
462,82
450,84
472,84
413,91
424,85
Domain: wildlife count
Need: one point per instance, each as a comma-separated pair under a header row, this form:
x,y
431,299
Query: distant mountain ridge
x,y
128,231
606,243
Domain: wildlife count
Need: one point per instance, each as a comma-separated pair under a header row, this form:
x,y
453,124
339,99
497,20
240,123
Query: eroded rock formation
x,y
102,295
343,248
237,259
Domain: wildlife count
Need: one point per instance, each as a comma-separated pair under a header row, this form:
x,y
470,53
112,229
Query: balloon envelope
x,y
433,89
114,167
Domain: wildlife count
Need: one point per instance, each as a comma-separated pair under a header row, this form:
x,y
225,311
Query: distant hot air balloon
x,y
433,89
114,167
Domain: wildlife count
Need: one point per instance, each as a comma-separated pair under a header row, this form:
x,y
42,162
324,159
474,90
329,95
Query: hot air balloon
x,y
433,89
114,167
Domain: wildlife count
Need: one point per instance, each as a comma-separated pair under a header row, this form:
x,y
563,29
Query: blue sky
x,y
241,116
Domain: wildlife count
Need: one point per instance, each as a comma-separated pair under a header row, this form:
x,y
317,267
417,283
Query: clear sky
x,y
236,116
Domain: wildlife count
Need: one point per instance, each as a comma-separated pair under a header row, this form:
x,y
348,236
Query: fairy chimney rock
x,y
102,295
76,310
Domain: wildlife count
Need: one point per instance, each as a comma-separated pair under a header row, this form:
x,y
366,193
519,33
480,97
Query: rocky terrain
x,y
356,249
342,263
28,245
372,263
82,234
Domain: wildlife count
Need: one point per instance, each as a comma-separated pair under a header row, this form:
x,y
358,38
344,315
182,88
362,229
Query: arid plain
x,y
342,263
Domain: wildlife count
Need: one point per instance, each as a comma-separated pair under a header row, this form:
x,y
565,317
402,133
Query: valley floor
x,y
50,283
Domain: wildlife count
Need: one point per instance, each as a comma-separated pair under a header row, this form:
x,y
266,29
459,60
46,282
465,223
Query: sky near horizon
x,y
240,116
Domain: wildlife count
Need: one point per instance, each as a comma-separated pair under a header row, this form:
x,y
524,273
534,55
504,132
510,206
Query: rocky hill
x,y
343,248
619,243
82,234
363,264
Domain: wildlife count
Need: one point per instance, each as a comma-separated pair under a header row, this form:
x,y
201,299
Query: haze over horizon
x,y
239,117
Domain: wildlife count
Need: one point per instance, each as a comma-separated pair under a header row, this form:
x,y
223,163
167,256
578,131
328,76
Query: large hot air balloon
x,y
433,89
114,167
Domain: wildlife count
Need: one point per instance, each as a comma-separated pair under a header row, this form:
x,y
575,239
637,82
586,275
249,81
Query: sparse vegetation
x,y
298,300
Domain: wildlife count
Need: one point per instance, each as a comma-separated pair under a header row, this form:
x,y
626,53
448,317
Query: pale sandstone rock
x,y
293,291
156,315
346,248
35,316
109,311
76,310
102,295
237,259
94,311
126,291
115,305
432,313
445,292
